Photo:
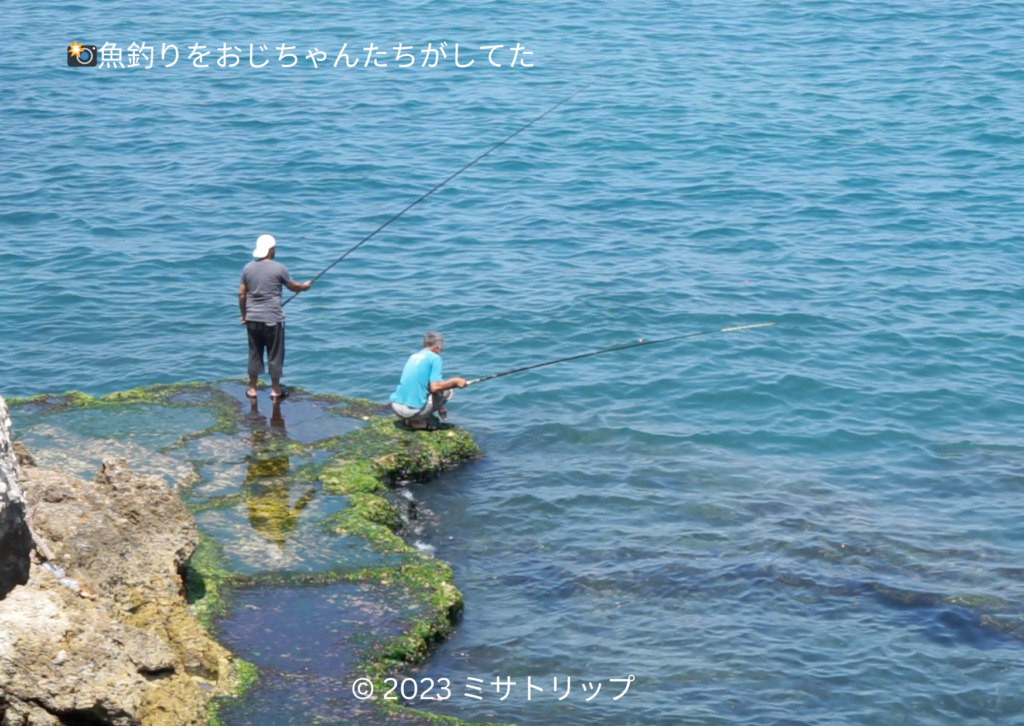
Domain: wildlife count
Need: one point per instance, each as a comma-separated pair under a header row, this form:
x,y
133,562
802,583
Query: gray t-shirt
x,y
263,280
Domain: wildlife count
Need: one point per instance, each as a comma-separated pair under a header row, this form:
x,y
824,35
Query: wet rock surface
x,y
101,633
300,565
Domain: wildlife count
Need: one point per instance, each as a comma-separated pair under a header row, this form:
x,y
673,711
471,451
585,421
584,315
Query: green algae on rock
x,y
279,483
398,453
205,576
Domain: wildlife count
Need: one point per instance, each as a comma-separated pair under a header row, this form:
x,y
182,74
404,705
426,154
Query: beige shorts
x,y
434,402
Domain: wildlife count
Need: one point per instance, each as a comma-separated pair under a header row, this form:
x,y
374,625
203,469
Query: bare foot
x,y
251,393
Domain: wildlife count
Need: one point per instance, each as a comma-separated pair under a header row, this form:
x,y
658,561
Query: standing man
x,y
259,300
421,390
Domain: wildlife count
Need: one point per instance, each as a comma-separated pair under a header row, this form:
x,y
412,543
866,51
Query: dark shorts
x,y
269,337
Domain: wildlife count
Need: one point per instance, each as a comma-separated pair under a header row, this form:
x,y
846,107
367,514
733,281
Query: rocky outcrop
x,y
101,632
15,539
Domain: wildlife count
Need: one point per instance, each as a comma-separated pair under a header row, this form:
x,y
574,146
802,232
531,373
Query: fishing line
x,y
618,347
413,204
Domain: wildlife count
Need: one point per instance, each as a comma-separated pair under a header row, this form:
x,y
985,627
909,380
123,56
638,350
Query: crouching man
x,y
422,392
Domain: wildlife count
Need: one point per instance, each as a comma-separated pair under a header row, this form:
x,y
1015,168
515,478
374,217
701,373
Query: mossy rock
x,y
362,466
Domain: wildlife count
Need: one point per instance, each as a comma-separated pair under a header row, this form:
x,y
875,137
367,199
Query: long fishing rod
x,y
413,204
618,347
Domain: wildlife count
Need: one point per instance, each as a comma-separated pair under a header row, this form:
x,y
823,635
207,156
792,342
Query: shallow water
x,y
815,523
304,640
291,593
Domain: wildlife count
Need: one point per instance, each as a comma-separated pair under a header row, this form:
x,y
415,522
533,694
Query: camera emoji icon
x,y
81,56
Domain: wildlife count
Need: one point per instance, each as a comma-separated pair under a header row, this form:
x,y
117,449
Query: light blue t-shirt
x,y
420,370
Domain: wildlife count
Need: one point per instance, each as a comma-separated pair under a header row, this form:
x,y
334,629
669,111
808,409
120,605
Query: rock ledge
x,y
99,632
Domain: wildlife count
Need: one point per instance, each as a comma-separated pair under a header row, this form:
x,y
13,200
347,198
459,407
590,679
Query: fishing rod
x,y
413,204
638,344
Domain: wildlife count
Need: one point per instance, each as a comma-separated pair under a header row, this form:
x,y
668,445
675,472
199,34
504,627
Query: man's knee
x,y
407,413
440,398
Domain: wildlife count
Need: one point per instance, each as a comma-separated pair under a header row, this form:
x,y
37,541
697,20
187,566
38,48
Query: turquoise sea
x,y
814,523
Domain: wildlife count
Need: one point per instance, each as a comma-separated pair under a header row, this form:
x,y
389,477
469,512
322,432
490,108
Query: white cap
x,y
264,244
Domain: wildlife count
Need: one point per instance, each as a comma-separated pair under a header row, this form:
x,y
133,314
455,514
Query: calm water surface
x,y
817,523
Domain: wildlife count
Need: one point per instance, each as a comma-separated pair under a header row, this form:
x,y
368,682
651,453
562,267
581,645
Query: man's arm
x,y
436,386
298,286
241,300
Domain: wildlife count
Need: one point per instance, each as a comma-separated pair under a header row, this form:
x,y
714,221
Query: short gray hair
x,y
432,338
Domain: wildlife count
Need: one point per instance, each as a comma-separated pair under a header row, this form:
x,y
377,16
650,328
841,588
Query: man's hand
x,y
459,382
299,286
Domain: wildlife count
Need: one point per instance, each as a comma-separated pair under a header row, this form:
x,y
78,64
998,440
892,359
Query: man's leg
x,y
438,401
423,418
256,345
275,357
413,418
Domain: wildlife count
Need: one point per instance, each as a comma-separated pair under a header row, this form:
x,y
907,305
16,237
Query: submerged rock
x,y
15,538
101,633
